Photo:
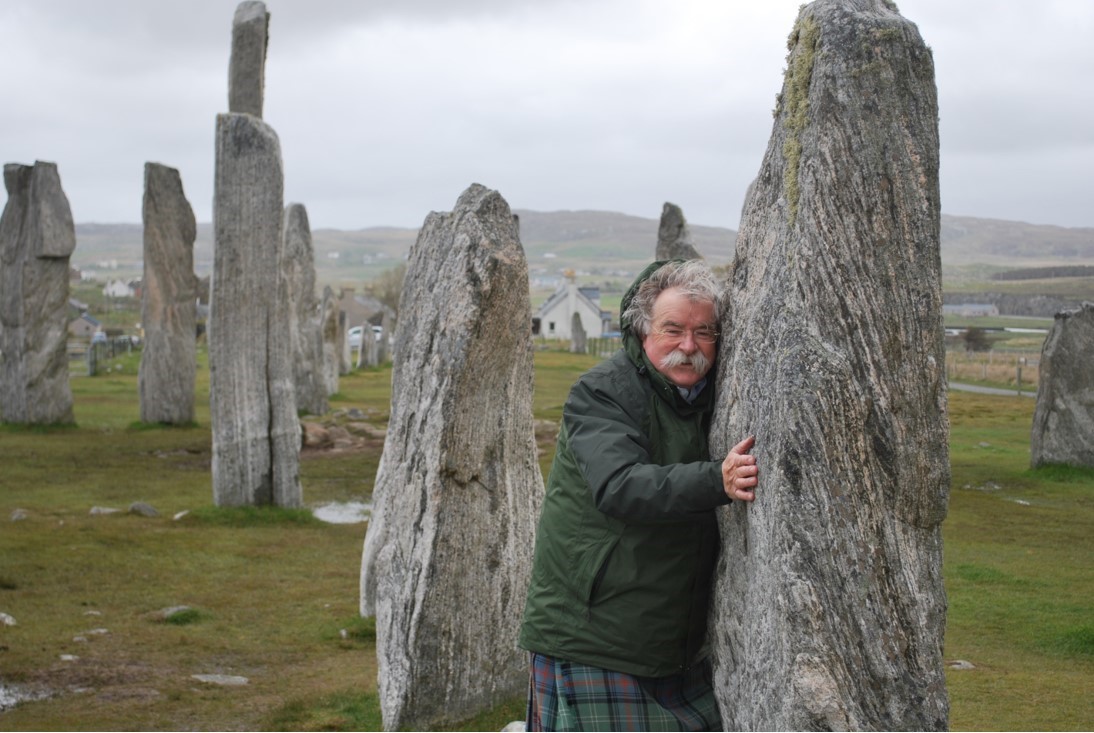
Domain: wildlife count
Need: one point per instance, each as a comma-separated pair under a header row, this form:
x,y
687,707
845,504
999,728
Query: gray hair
x,y
693,278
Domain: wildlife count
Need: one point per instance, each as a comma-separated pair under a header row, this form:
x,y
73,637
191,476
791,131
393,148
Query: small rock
x,y
180,515
961,664
80,639
315,436
143,509
343,633
229,680
165,614
7,620
97,510
18,515
985,445
1021,502
69,658
516,725
355,414
93,613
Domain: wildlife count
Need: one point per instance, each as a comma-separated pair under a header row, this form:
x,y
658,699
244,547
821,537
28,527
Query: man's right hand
x,y
740,472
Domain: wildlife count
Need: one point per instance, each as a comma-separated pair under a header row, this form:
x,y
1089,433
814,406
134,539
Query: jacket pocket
x,y
603,558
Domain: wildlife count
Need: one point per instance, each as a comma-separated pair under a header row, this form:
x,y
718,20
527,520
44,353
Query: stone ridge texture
x,y
256,433
829,607
1063,421
37,237
168,296
447,556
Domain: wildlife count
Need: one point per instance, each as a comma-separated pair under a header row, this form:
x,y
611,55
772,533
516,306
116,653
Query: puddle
x,y
10,696
350,512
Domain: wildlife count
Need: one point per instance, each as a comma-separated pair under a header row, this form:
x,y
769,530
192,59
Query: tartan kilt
x,y
567,696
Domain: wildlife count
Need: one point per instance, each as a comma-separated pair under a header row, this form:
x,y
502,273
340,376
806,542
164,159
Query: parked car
x,y
354,336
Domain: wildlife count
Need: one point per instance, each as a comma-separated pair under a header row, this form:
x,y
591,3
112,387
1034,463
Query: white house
x,y
556,315
118,289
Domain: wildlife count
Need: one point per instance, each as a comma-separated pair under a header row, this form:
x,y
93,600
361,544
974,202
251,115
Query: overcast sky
x,y
388,109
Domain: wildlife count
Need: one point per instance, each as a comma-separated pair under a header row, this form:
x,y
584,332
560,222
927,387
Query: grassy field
x,y
272,594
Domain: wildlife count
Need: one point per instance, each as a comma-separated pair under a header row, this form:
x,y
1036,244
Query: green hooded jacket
x,y
627,537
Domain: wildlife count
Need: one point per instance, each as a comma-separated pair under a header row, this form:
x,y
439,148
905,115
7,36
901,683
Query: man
x,y
627,540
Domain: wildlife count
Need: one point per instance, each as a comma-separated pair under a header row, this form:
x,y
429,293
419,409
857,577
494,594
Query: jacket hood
x,y
625,325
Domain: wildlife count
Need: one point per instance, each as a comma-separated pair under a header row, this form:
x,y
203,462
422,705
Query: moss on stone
x,y
795,102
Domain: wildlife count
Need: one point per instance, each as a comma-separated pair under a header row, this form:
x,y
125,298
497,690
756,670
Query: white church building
x,y
556,315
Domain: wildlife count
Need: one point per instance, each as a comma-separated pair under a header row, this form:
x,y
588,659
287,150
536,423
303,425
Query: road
x,y
988,390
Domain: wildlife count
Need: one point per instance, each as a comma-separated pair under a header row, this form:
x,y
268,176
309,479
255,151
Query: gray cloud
x,y
387,110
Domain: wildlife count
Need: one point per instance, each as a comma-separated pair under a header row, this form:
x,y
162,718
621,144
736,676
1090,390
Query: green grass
x,y
273,592
1018,548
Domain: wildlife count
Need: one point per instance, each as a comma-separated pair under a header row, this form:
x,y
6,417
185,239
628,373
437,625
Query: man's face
x,y
683,337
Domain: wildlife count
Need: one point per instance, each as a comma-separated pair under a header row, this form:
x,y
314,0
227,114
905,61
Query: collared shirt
x,y
690,394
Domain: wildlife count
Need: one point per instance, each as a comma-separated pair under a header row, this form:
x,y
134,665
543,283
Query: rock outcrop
x,y
448,552
247,65
37,237
256,434
674,237
168,300
1063,421
829,607
304,316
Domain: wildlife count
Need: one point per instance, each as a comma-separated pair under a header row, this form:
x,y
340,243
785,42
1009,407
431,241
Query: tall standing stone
x,y
674,237
37,237
247,66
829,607
332,347
304,315
578,339
256,433
1063,421
168,300
448,552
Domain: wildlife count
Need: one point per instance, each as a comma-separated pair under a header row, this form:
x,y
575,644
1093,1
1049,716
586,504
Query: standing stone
x,y
344,352
577,335
368,352
383,350
37,237
304,316
829,607
674,237
1063,422
168,300
332,347
247,66
448,552
256,434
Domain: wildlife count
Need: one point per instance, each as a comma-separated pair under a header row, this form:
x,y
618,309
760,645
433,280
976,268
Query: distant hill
x,y
598,243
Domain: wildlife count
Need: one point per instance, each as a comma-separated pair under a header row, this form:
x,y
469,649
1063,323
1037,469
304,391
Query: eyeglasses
x,y
702,334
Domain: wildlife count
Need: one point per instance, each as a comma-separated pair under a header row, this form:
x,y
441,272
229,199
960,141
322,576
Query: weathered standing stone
x,y
577,335
256,434
344,354
247,65
168,300
448,552
368,351
37,237
332,347
674,237
304,316
829,607
1063,421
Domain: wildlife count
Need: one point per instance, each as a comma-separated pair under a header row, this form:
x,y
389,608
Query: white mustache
x,y
675,358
